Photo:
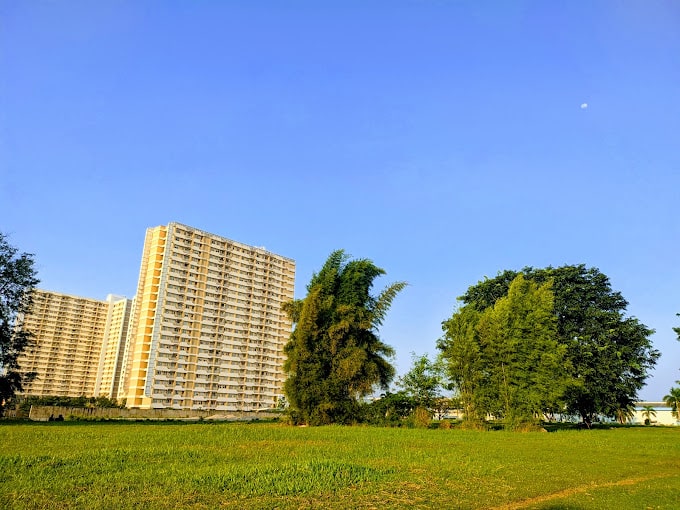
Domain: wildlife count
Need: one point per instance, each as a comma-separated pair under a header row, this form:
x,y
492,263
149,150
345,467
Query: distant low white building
x,y
663,415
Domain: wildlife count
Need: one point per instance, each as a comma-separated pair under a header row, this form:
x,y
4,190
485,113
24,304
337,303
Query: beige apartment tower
x,y
113,347
206,329
69,334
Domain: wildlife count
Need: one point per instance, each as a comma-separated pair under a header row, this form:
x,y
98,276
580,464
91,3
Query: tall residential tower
x,y
206,330
113,347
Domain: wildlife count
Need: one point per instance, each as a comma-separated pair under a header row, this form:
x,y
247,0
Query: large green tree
x,y
17,281
608,354
505,359
334,355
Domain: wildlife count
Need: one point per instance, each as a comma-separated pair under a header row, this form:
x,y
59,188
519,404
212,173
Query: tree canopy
x,y
334,355
17,280
423,382
607,355
505,359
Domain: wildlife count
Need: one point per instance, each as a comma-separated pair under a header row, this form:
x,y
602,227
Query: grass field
x,y
229,465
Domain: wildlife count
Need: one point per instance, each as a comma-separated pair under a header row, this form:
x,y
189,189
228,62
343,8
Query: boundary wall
x,y
43,413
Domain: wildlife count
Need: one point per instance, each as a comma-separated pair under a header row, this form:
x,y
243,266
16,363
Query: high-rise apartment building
x,y
207,330
69,333
113,347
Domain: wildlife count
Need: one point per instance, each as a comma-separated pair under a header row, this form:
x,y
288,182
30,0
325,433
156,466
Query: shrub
x,y
420,418
473,425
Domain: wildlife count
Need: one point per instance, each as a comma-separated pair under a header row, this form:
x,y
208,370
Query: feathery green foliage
x,y
505,360
624,414
673,401
648,412
334,355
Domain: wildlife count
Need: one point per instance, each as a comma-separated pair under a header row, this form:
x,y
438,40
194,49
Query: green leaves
x,y
673,401
505,360
605,356
384,302
334,354
423,382
17,280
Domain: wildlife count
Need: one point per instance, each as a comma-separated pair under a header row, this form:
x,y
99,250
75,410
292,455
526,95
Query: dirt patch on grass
x,y
516,505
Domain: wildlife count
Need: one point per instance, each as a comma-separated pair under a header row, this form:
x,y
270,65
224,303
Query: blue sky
x,y
446,141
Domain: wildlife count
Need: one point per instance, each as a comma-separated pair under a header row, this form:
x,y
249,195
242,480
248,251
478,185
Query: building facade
x,y
206,329
658,413
69,334
113,347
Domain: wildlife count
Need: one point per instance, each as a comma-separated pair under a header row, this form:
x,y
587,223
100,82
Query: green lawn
x,y
229,465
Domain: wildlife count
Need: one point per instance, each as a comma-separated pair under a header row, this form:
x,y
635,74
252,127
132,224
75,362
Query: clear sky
x,y
446,141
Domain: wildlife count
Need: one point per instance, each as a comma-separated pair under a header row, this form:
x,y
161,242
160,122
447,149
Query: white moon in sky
x,y
584,106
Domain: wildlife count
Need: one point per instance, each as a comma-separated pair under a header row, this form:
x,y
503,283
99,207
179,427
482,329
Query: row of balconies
x,y
232,378
215,383
187,275
210,395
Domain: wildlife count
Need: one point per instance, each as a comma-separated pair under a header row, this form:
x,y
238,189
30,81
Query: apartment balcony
x,y
203,361
173,302
171,323
165,359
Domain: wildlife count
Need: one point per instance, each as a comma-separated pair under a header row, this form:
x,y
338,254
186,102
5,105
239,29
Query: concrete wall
x,y
43,413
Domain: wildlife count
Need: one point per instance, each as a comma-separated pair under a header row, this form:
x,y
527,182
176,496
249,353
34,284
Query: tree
x,y
608,355
464,363
392,409
648,413
672,400
17,281
624,414
677,330
334,355
505,360
423,382
525,361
